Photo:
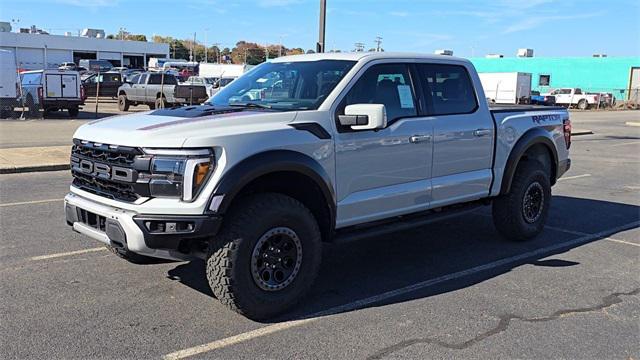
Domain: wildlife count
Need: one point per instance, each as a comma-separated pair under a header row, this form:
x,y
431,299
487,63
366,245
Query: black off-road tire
x,y
73,111
509,210
230,256
33,110
131,256
123,103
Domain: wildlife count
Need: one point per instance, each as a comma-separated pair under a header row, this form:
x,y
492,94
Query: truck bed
x,y
496,108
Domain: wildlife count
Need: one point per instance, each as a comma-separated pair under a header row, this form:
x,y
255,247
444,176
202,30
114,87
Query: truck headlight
x,y
178,173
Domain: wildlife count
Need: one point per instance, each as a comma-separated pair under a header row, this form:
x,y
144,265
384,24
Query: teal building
x,y
617,75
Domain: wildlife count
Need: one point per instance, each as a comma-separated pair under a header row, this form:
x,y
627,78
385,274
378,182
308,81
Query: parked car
x,y
93,65
537,99
9,84
52,90
574,96
148,88
68,66
109,84
338,151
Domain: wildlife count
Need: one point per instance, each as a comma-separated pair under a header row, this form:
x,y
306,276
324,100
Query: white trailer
x,y
223,70
507,88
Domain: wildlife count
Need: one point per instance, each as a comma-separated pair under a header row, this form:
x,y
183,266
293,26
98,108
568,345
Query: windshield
x,y
301,85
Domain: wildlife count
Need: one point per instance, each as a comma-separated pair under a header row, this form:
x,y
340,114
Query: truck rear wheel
x,y
583,104
160,103
123,103
73,111
521,214
265,257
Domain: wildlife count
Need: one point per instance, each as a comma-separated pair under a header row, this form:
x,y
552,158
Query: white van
x,y
9,89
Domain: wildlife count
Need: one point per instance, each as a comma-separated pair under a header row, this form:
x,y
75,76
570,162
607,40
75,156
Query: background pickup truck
x,y
337,147
147,88
574,96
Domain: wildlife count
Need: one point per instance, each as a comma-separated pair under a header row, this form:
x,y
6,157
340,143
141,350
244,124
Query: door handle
x,y
481,132
419,138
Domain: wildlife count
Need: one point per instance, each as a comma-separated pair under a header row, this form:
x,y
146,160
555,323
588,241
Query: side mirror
x,y
364,116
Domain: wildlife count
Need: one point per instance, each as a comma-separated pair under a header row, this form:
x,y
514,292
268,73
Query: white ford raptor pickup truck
x,y
308,149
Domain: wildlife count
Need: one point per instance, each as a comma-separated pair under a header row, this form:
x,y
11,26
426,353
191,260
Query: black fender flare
x,y
530,138
249,169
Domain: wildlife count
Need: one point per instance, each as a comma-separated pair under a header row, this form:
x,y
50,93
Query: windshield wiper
x,y
251,105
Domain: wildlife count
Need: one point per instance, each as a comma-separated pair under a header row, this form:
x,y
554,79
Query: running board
x,y
400,223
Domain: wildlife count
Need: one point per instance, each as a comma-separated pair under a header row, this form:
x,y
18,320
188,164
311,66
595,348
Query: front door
x,y
463,135
386,172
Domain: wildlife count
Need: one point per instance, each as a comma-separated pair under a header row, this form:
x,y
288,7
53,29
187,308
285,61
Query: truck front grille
x,y
108,170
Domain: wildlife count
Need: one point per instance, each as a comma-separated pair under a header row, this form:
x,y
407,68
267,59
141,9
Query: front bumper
x,y
140,234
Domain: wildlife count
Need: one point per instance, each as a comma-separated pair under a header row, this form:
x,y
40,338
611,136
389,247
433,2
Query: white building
x,y
38,51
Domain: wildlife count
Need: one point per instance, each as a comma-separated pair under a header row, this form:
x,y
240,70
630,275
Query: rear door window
x,y
387,84
32,79
448,89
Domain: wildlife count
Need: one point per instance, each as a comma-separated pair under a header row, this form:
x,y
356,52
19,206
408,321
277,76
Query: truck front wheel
x,y
123,103
265,257
521,214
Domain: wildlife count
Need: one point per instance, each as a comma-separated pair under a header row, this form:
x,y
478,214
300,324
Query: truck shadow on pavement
x,y
366,268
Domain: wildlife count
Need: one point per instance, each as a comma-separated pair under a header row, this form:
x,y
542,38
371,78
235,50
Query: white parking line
x,y
70,253
622,242
627,143
30,202
235,339
270,329
574,177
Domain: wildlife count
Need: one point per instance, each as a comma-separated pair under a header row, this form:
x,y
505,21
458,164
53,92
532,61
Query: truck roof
x,y
357,56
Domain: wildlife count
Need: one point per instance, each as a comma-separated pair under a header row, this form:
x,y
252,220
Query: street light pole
x,y
323,16
206,31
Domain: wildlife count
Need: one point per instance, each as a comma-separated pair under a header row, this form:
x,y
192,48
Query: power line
x,y
359,47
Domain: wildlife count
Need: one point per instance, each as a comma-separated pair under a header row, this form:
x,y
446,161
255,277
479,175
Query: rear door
x,y
53,85
70,86
463,134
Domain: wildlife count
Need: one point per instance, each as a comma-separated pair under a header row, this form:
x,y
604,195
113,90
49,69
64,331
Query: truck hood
x,y
171,128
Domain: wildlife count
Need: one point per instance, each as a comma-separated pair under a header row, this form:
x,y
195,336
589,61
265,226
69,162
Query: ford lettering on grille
x,y
103,171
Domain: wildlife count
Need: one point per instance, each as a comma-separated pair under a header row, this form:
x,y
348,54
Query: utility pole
x,y
359,46
323,16
193,45
217,45
206,50
378,41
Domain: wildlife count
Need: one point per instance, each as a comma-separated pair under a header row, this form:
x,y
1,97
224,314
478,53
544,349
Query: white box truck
x,y
9,89
507,87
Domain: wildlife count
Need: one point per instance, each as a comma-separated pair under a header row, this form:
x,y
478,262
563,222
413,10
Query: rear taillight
x,y
40,94
566,127
82,95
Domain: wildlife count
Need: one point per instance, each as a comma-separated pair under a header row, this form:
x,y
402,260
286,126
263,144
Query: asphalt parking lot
x,y
451,289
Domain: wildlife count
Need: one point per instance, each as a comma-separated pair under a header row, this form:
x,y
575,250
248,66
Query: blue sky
x,y
472,27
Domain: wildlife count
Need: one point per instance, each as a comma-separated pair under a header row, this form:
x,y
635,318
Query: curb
x,y
34,168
